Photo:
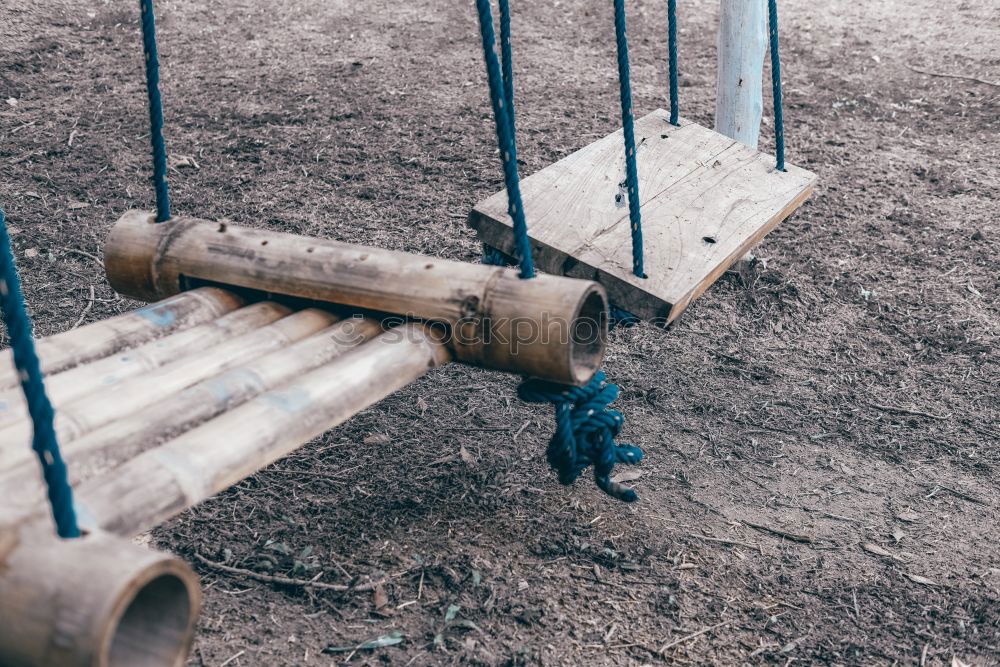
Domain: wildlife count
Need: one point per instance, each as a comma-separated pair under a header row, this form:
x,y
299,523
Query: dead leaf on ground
x,y
31,252
468,458
182,162
880,551
380,600
627,476
421,405
77,205
917,579
908,517
377,439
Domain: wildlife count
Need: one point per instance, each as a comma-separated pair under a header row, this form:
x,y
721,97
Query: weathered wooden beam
x,y
94,341
94,601
98,408
550,327
125,364
170,478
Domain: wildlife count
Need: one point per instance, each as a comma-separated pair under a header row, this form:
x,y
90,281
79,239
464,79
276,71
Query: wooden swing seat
x,y
706,200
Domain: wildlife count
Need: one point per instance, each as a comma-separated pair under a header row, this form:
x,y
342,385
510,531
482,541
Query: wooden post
x,y
739,101
110,371
550,327
170,478
739,90
96,409
93,601
100,339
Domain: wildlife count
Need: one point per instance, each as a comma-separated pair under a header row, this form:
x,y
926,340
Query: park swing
x,y
232,367
234,364
696,200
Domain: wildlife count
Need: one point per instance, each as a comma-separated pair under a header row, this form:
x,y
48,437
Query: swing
x,y
705,200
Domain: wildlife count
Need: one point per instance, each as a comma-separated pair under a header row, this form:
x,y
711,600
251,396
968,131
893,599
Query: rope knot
x,y
585,432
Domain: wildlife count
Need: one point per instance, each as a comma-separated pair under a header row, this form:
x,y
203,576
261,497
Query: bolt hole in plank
x,y
694,185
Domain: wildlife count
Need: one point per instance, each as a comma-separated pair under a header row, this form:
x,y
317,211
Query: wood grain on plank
x,y
706,200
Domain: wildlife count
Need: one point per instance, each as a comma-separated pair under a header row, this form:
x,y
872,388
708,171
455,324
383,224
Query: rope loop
x,y
585,432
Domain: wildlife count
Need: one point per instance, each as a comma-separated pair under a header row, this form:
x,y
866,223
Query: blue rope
x,y
503,114
585,432
672,48
43,441
508,65
155,111
779,123
493,257
631,173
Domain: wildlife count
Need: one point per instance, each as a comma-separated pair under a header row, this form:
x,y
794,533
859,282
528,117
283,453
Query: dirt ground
x,y
822,433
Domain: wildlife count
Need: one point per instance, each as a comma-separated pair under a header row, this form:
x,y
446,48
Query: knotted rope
x,y
585,432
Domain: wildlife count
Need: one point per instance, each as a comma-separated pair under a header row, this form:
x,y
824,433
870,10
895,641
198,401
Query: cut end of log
x,y
155,618
589,335
97,600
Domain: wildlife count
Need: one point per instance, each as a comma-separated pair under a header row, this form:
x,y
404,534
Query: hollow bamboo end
x,y
549,327
588,334
130,256
95,601
154,619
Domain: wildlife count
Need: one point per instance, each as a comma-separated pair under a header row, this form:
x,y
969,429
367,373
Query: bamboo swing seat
x,y
706,200
253,344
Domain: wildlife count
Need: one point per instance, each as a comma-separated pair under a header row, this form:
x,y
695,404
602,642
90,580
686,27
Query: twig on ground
x,y
720,540
287,581
691,636
964,77
86,309
82,253
905,411
795,537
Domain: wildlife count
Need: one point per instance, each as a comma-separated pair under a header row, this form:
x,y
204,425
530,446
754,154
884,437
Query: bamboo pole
x,y
110,371
98,340
550,327
96,409
93,601
122,439
166,480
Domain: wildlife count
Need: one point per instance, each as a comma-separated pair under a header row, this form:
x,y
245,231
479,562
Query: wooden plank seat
x,y
705,200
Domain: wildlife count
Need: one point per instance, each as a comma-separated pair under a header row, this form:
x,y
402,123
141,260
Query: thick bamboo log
x,y
110,371
95,341
123,439
94,601
550,327
96,409
166,480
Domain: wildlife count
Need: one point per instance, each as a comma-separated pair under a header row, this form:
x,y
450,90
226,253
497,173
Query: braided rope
x,y
779,122
631,172
43,441
585,432
672,51
159,146
503,114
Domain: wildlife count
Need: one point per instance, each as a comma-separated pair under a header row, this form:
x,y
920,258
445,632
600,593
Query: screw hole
x,y
708,239
263,242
